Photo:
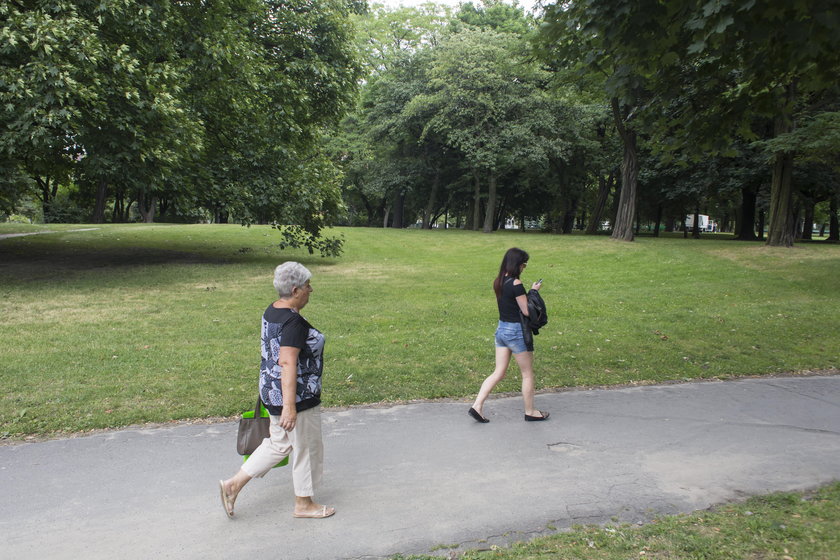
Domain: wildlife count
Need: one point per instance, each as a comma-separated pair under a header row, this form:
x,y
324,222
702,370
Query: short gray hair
x,y
288,276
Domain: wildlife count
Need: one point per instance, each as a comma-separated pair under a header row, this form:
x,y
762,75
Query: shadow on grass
x,y
27,262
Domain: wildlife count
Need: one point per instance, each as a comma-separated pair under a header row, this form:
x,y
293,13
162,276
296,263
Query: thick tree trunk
x,y
782,226
626,214
780,233
491,205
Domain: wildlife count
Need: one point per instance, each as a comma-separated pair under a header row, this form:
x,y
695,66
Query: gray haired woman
x,y
290,388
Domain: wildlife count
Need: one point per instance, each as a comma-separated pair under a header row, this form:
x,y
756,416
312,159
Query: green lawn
x,y
790,526
150,323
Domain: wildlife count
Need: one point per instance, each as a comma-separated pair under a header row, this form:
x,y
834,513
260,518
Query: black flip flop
x,y
478,417
544,416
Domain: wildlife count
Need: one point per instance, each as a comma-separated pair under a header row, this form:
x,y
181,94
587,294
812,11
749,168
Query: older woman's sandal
x,y
544,416
227,501
319,514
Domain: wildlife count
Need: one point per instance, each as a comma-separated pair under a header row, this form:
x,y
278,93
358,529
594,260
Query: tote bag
x,y
253,429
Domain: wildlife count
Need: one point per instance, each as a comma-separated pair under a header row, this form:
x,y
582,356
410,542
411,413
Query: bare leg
x,y
525,361
502,361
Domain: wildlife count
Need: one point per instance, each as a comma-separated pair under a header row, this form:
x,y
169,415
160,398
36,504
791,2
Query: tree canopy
x,y
595,115
184,106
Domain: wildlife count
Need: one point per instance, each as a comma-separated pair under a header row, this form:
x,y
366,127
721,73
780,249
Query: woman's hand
x,y
536,285
288,417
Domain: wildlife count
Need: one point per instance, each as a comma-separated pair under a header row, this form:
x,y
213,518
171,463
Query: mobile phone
x,y
539,281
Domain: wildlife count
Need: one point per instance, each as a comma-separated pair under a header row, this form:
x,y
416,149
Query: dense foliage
x,y
598,115
189,109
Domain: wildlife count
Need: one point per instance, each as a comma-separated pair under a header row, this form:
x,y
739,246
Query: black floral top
x,y
285,327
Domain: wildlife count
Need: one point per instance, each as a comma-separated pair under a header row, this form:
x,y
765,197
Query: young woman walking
x,y
510,340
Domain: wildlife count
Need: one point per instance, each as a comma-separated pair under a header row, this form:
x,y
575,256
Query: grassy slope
x,y
134,323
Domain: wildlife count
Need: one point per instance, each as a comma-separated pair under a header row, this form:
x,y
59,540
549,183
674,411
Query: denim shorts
x,y
509,335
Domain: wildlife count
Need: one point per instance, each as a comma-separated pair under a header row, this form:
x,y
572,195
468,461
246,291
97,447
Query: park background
x,y
672,167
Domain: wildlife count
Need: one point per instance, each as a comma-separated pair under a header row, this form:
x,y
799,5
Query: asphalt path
x,y
424,477
11,235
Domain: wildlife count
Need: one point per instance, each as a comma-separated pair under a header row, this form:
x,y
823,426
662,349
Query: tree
x,y
484,103
580,36
48,58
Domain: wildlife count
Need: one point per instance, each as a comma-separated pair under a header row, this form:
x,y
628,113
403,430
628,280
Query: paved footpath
x,y
413,478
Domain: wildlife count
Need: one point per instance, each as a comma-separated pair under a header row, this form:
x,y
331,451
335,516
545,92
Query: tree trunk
x,y
569,216
476,218
626,214
695,231
99,204
491,205
833,230
499,218
808,221
761,220
146,207
658,220
780,233
746,215
430,207
49,190
399,210
605,185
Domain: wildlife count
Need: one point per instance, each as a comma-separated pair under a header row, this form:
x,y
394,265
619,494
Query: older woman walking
x,y
290,389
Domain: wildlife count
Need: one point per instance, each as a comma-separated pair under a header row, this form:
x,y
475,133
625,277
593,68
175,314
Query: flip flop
x,y
227,503
325,512
478,417
544,416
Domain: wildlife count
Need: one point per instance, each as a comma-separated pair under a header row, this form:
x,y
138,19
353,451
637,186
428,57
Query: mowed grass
x,y
141,323
787,526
